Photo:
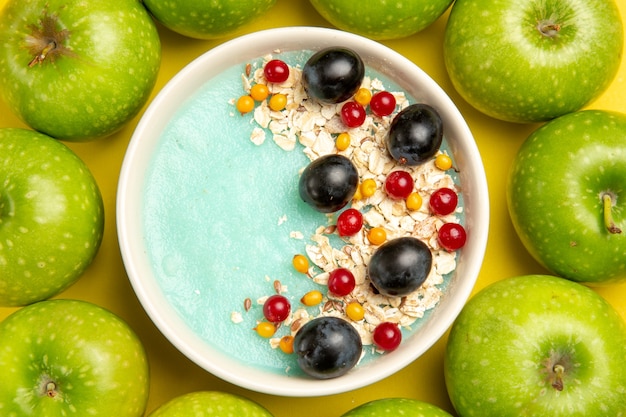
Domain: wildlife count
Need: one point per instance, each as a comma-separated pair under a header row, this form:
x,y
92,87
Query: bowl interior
x,y
144,142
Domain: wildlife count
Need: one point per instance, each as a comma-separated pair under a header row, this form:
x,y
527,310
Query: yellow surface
x,y
105,283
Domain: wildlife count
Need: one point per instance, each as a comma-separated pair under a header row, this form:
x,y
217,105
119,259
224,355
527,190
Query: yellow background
x,y
105,282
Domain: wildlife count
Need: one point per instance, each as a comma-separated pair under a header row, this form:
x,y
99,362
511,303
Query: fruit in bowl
x,y
330,80
75,70
269,146
566,196
522,61
537,345
327,347
51,217
382,20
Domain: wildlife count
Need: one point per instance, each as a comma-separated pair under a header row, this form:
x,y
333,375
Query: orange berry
x,y
300,263
414,201
245,104
312,298
343,141
368,187
443,162
265,329
377,235
286,344
259,92
355,311
278,102
363,96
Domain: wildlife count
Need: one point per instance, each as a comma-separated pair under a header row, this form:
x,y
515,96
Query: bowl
x,y
150,212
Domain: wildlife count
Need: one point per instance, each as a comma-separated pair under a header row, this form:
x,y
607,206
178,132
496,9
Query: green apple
x,y
566,196
76,69
70,358
202,19
381,20
210,404
533,60
537,345
51,217
393,407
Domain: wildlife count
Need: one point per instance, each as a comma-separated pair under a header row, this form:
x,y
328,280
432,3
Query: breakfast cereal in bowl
x,y
304,214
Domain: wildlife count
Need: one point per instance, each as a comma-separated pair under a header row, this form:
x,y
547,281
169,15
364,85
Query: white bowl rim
x,y
147,132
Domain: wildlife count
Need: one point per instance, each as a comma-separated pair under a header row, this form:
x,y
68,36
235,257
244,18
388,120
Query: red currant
x,y
399,184
276,71
452,236
341,282
349,222
387,336
276,308
352,114
443,201
383,103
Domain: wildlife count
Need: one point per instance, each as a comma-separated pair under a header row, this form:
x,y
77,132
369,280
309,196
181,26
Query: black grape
x,y
328,183
333,75
327,347
415,134
400,266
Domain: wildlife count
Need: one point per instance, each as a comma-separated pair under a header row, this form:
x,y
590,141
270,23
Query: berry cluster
x,y
331,181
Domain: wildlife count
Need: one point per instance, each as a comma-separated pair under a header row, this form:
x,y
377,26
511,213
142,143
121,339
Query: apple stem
x,y
51,389
41,56
558,370
548,28
607,204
